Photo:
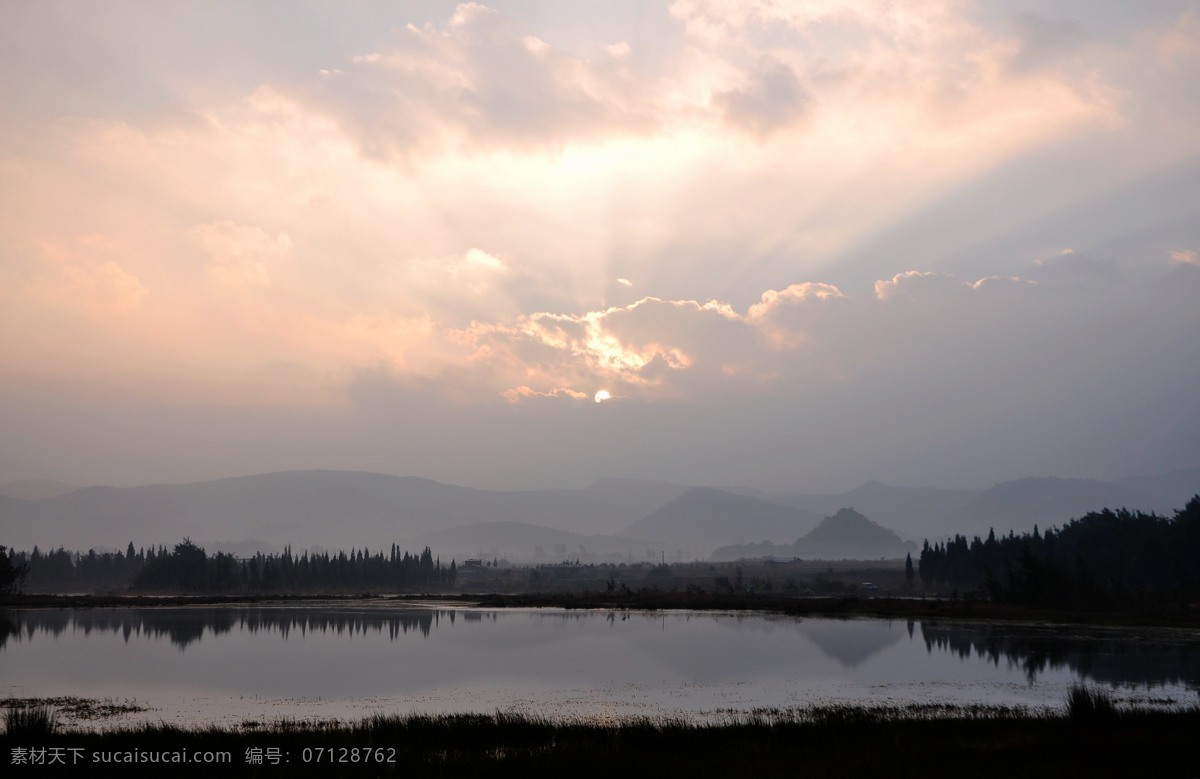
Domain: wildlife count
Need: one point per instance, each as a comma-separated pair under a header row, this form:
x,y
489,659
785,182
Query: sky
x,y
782,244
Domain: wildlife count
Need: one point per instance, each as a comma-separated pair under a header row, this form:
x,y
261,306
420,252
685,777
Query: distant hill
x,y
302,508
703,518
1168,491
639,495
915,511
849,535
1020,504
35,489
846,535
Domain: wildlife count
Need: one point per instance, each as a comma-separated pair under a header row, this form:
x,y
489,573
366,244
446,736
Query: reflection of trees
x,y
184,626
306,621
7,628
1110,657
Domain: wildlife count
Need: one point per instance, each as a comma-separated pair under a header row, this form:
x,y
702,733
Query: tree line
x,y
188,568
1104,558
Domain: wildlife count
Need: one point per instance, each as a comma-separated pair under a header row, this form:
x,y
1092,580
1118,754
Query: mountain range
x,y
610,519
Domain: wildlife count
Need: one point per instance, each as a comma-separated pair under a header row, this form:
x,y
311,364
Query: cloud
x,y
1179,46
518,394
1039,43
790,317
84,275
479,80
773,299
934,363
241,254
772,99
1185,257
922,20
461,204
467,13
466,131
474,273
651,349
917,285
1075,268
619,50
684,350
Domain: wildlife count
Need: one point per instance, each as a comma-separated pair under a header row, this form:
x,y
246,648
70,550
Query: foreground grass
x,y
925,741
34,721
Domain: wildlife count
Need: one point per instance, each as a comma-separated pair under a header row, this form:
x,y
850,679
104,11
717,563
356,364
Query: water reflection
x,y
709,647
1113,656
850,642
185,626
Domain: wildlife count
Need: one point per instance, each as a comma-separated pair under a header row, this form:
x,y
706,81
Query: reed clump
x,y
32,721
1087,704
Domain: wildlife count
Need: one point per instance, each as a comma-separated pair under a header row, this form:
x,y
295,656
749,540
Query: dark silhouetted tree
x,y
11,573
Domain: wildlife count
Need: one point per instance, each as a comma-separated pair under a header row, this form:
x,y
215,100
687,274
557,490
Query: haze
x,y
783,245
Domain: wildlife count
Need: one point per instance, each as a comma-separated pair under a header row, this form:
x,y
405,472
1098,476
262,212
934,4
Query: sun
x,y
603,395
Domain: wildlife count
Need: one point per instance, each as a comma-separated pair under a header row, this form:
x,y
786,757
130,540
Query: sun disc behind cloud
x,y
603,395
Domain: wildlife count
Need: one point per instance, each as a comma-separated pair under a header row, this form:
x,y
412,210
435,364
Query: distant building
x,y
470,570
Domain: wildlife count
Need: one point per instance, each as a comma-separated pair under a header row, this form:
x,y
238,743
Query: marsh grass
x,y
926,740
1087,704
34,721
69,710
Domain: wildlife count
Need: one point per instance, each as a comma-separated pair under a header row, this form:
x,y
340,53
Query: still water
x,y
229,664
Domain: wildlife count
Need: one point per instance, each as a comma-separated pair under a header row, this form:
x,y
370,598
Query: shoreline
x,y
883,607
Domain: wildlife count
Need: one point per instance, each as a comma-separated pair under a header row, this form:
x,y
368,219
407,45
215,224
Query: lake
x,y
230,664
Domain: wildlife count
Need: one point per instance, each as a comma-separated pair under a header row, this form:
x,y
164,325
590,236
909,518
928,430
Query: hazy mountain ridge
x,y
1170,491
302,508
348,508
704,518
640,495
1018,505
1045,501
35,489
